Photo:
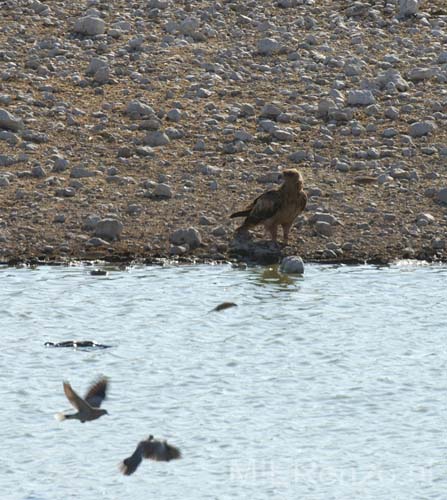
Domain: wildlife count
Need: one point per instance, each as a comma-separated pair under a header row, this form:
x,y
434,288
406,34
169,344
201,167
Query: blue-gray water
x,y
330,386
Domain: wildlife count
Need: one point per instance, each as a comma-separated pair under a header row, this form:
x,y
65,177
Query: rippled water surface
x,y
330,386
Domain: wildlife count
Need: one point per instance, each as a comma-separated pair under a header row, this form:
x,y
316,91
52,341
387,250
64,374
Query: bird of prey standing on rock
x,y
276,207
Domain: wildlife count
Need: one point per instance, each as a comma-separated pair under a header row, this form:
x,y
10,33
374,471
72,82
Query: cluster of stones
x,y
140,126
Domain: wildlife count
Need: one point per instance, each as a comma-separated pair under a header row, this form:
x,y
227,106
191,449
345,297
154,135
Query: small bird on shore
x,y
89,407
151,448
276,207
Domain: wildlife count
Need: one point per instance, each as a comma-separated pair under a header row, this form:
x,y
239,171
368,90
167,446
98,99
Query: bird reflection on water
x,y
271,276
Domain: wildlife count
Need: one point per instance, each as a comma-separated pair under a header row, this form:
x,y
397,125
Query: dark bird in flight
x,y
151,448
224,305
276,207
89,407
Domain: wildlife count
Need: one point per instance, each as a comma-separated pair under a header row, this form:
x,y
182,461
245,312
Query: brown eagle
x,y
276,207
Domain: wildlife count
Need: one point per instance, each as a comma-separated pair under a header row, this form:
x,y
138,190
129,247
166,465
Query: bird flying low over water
x,y
151,448
276,207
89,407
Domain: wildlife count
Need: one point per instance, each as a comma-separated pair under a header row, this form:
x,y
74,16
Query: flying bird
x,y
276,207
89,407
151,448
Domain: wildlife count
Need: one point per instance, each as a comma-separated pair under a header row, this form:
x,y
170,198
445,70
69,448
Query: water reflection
x,y
272,276
333,383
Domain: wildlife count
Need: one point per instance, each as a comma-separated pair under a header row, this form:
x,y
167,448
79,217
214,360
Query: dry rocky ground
x,y
132,129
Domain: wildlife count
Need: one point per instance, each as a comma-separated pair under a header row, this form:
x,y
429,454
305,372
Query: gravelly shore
x,y
132,130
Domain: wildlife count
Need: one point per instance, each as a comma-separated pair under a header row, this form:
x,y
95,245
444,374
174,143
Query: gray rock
x,y
219,231
268,46
60,164
95,64
178,249
292,265
59,218
424,219
90,222
156,138
67,192
190,236
174,115
419,129
4,181
97,242
162,191
408,7
420,74
139,109
38,171
323,217
89,26
438,244
110,229
441,195
324,228
79,172
102,75
299,156
146,151
360,98
7,160
282,134
270,110
9,121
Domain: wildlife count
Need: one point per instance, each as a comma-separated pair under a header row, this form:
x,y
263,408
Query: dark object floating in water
x,y
98,272
154,449
89,406
224,305
77,344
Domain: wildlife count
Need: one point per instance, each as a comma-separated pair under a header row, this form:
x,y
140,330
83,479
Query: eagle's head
x,y
291,175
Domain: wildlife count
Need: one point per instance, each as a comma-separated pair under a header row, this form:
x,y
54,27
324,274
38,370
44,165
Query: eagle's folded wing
x,y
264,207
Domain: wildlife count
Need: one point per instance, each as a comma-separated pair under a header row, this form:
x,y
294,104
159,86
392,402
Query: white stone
x,y
109,229
9,122
293,265
190,236
408,7
360,98
90,26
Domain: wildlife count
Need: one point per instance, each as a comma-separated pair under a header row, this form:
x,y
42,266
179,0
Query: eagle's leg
x,y
286,229
273,231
